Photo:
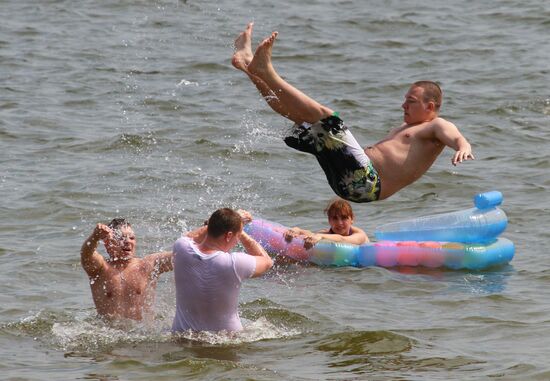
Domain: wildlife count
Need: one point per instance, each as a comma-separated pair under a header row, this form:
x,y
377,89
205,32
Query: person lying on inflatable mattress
x,y
340,218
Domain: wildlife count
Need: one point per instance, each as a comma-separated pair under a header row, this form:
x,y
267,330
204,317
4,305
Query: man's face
x,y
122,244
414,108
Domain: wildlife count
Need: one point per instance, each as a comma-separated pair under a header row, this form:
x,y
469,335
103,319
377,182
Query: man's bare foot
x,y
243,49
261,62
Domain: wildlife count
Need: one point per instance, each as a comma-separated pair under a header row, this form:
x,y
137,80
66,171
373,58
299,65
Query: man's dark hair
x,y
118,223
432,93
224,220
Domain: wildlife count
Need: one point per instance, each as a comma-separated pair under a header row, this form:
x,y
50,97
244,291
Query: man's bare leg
x,y
240,60
294,104
243,57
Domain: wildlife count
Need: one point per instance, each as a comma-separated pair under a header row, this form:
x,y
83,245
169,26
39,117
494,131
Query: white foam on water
x,y
257,330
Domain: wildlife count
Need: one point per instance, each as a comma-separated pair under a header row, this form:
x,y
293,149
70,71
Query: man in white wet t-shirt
x,y
208,277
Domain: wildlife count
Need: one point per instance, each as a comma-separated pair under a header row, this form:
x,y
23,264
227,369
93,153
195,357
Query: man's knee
x,y
318,113
325,112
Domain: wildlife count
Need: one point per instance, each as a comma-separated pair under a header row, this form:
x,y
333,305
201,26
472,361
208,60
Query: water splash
x,y
260,329
185,82
84,333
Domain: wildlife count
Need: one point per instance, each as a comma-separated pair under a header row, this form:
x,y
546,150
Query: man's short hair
x,y
223,221
118,223
432,93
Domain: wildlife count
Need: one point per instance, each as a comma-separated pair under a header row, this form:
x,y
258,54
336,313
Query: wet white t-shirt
x,y
207,287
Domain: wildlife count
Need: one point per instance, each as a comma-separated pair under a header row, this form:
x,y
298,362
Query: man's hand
x,y
245,216
103,232
462,155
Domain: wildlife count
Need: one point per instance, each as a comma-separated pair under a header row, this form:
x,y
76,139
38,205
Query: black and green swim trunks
x,y
349,170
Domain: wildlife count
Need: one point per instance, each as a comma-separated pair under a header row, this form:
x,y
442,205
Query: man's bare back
x,y
390,165
123,286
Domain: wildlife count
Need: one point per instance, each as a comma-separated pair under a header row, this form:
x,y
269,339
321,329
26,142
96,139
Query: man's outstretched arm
x,y
448,134
161,262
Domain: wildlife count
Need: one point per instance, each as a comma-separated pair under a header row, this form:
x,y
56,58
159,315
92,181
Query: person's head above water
x,y
422,102
225,226
340,216
122,244
118,223
432,93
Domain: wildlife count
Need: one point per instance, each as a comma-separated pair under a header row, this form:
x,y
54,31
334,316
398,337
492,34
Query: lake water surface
x,y
132,108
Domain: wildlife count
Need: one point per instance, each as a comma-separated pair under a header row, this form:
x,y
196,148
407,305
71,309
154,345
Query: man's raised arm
x,y
91,260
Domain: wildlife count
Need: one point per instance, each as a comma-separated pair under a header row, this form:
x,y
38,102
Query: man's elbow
x,y
84,257
267,264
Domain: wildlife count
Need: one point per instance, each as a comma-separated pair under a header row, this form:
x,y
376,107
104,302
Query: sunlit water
x,y
132,109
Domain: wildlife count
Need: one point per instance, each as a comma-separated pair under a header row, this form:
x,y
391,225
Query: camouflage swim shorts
x,y
349,170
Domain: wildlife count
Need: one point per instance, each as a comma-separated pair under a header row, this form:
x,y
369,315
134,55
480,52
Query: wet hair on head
x,y
339,207
118,223
223,221
432,93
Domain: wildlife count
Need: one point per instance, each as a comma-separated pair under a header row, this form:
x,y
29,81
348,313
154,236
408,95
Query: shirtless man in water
x,y
354,173
123,286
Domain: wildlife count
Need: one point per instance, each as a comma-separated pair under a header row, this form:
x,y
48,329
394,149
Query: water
x,y
132,108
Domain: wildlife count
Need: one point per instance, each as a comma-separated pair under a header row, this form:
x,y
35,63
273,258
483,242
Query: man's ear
x,y
228,236
431,106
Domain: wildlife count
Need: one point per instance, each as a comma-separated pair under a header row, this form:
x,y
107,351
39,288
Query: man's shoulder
x,y
183,242
184,238
440,122
432,127
244,264
141,265
241,256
